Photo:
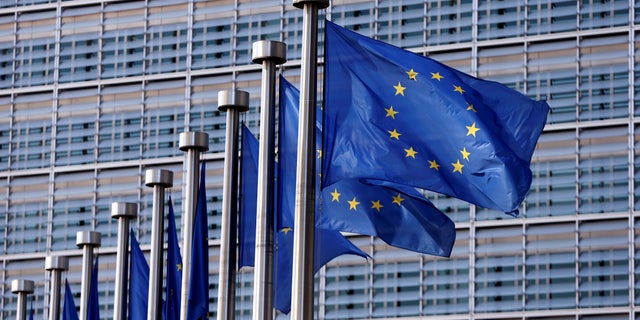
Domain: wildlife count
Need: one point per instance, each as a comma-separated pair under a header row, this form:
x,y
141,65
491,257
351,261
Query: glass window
x,y
500,19
603,263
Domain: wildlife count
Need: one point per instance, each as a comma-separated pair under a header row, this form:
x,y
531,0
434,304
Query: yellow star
x,y
410,152
319,153
390,112
399,89
394,134
179,266
458,89
376,205
412,75
436,76
398,199
470,107
457,166
465,153
286,230
353,204
471,130
434,165
335,196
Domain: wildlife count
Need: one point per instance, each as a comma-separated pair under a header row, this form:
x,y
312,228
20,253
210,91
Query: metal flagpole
x,y
22,288
304,225
158,180
55,264
87,240
269,53
233,102
192,143
123,211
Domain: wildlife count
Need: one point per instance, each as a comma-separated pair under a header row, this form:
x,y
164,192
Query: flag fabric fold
x,y
69,306
393,115
198,306
333,243
248,205
138,282
415,225
93,310
174,269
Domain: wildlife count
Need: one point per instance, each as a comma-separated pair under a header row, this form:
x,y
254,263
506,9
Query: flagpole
x,y
22,288
233,102
123,211
87,240
304,225
268,53
55,264
192,143
158,180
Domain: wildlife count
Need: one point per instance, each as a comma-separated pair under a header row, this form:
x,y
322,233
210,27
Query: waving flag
x,y
396,116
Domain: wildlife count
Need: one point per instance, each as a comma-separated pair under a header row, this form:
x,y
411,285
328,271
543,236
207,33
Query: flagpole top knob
x,y
160,177
22,286
124,210
233,99
88,238
275,51
56,263
321,4
194,140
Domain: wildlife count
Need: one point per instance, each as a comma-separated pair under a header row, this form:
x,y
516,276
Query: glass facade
x,y
95,92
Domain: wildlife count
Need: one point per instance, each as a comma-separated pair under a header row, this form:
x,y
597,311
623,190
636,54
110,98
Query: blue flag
x,y
138,282
329,244
69,306
93,310
198,306
423,227
31,312
248,199
174,269
393,115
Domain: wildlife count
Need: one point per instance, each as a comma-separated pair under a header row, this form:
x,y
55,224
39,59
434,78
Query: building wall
x,y
95,92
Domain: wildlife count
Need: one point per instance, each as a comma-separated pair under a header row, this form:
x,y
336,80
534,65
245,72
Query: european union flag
x,y
425,228
393,115
174,269
31,312
93,310
329,243
198,306
69,307
138,282
248,199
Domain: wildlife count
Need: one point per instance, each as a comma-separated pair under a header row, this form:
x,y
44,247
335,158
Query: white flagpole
x,y
87,240
268,53
124,212
192,143
158,180
304,226
233,102
55,264
22,288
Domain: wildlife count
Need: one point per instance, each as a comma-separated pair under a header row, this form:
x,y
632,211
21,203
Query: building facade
x,y
95,92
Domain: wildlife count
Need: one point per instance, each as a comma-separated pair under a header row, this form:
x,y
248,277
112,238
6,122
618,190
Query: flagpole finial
x,y
56,263
236,99
162,178
194,140
320,4
274,51
22,286
124,210
88,238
